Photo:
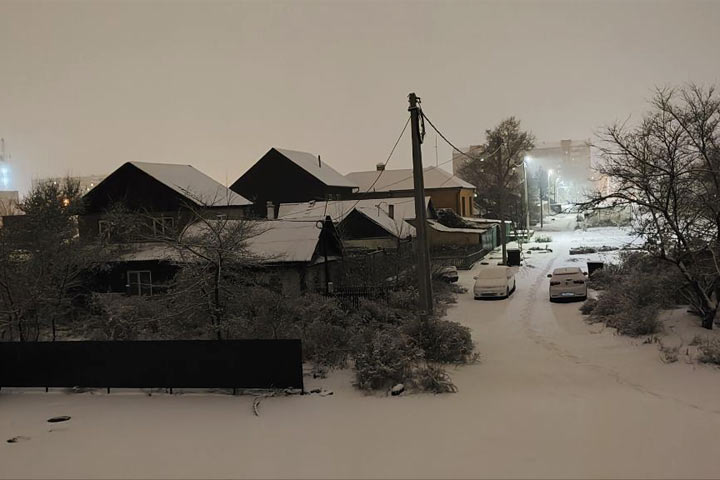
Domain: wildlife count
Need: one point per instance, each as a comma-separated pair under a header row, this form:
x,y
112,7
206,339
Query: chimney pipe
x,y
380,167
270,210
319,162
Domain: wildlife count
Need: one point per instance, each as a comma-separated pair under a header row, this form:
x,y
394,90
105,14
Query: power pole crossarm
x,y
423,250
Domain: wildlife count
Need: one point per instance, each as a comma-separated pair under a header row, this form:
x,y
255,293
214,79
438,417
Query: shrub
x,y
385,358
441,340
589,305
543,239
710,351
432,378
636,321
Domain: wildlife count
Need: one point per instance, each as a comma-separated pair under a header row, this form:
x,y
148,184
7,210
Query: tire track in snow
x,y
537,337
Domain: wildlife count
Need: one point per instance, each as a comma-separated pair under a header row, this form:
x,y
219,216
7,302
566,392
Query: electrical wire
x,y
380,173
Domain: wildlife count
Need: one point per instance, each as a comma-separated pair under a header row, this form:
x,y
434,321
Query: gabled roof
x,y
320,170
192,184
376,210
439,227
434,177
275,241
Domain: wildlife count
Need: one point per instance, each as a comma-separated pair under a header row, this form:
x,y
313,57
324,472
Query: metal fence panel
x,y
153,364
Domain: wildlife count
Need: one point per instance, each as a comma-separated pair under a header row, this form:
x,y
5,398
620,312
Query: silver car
x,y
567,283
494,282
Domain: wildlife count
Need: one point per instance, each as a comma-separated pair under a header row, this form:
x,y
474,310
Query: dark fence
x,y
350,296
153,364
462,259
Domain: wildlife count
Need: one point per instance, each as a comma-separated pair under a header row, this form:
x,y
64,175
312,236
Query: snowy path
x,y
552,397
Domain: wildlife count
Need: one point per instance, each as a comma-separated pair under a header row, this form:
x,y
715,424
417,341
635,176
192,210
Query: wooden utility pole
x,y
423,251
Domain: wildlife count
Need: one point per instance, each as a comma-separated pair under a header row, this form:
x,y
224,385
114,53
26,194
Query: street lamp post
x,y
526,160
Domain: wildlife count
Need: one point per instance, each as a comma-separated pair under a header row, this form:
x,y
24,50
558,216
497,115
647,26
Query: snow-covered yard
x,y
552,397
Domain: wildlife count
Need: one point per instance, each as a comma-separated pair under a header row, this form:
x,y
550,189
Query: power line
x,y
451,144
392,151
383,169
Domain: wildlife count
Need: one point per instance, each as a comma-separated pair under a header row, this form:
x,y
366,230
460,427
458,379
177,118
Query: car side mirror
x,y
549,275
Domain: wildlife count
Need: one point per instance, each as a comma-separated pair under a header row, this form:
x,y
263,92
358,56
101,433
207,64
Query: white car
x,y
494,282
567,283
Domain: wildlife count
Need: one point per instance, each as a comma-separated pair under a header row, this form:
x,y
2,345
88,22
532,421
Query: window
x,y
221,216
163,225
139,282
463,206
104,228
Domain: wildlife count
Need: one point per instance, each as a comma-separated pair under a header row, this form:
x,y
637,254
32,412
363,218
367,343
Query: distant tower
x,y
4,167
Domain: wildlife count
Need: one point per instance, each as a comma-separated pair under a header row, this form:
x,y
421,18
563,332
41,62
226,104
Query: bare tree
x,y
495,170
667,168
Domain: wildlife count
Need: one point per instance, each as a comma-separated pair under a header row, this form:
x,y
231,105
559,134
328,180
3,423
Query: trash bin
x,y
594,266
513,257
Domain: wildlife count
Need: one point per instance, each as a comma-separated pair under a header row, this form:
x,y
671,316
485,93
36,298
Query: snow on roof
x,y
193,184
320,170
437,226
397,227
566,270
274,241
434,177
377,210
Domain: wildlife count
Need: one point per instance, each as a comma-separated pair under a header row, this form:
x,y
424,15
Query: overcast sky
x,y
87,86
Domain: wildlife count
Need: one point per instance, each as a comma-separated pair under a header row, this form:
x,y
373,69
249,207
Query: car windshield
x,y
492,272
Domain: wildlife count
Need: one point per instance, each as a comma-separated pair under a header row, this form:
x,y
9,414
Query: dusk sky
x,y
86,86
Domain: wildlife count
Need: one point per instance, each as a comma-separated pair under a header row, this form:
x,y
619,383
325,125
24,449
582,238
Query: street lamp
x,y
526,160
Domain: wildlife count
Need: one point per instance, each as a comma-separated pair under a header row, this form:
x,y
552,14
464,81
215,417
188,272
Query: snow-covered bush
x,y
709,351
385,358
635,321
588,307
632,293
441,340
432,378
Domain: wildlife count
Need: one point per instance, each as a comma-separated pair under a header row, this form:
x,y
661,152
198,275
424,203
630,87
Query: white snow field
x,y
551,398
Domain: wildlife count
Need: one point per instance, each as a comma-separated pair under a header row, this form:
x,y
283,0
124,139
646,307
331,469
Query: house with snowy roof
x,y
285,176
168,195
293,256
445,189
362,224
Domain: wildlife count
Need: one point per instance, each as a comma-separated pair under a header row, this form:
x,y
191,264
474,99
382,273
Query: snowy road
x,y
552,397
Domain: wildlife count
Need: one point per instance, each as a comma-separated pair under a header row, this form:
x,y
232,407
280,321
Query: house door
x,y
139,282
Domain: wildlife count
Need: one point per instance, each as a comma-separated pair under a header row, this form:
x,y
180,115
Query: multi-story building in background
x,y
567,165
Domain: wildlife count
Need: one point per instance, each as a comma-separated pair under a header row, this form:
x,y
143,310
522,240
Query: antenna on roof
x,y
319,162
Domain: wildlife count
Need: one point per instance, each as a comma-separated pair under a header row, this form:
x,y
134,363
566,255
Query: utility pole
x,y
423,251
541,205
527,202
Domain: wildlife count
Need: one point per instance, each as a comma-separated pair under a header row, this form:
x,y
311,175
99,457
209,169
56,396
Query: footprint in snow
x,y
17,439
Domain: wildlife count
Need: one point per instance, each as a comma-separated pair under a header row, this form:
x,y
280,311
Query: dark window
x,y
104,228
163,225
139,282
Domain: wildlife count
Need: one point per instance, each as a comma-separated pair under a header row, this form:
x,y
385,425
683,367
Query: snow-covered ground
x,y
552,397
